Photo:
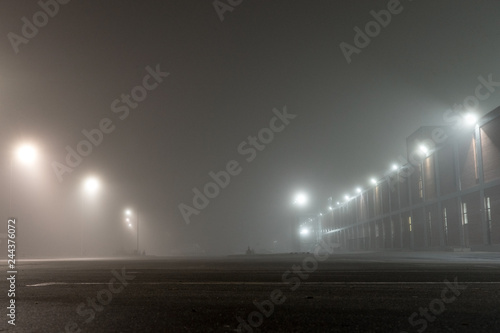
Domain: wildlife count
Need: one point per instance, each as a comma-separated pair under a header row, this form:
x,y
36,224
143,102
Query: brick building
x,y
444,195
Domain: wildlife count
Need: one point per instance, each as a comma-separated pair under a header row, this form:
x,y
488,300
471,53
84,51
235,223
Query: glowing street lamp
x,y
300,199
128,212
373,181
470,119
25,154
423,149
91,185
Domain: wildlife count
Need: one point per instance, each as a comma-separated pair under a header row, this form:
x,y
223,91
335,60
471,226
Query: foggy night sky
x,y
225,79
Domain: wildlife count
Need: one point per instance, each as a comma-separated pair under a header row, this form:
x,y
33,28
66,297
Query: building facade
x,y
444,195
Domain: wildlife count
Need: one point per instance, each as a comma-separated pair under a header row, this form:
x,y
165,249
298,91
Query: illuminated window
x,y
409,222
465,219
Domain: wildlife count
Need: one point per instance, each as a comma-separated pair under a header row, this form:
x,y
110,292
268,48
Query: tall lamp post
x,y
128,213
91,186
300,201
26,154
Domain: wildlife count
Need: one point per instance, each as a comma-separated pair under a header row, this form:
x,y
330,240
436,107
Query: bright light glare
x,y
358,190
346,197
470,119
300,199
128,212
92,185
304,231
130,225
395,167
26,154
423,149
330,208
373,181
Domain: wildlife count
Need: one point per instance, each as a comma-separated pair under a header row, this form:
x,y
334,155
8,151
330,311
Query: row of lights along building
x,y
446,195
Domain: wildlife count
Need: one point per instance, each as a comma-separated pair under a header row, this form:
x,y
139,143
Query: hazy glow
x,y
300,199
92,185
130,225
423,149
304,231
26,153
470,119
358,190
373,181
128,212
330,208
346,197
395,167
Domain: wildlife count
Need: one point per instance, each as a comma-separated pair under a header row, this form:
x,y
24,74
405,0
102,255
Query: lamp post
x,y
91,186
300,201
128,213
26,154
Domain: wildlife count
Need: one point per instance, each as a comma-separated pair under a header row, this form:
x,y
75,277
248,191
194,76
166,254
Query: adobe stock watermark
x,y
436,307
372,29
248,148
292,279
454,118
103,297
30,28
121,107
223,6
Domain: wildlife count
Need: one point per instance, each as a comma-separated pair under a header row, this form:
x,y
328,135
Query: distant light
x,y
330,208
373,181
128,220
128,212
395,167
304,231
470,119
358,190
26,154
423,149
130,225
338,203
347,197
300,199
320,214
91,184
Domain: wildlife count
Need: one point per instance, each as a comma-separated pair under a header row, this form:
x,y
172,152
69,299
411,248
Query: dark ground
x,y
370,292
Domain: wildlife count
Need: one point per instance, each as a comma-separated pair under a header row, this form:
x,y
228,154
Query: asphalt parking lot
x,y
369,292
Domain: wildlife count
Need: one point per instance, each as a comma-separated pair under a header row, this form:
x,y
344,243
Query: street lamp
x,y
470,119
26,154
91,186
128,212
300,200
